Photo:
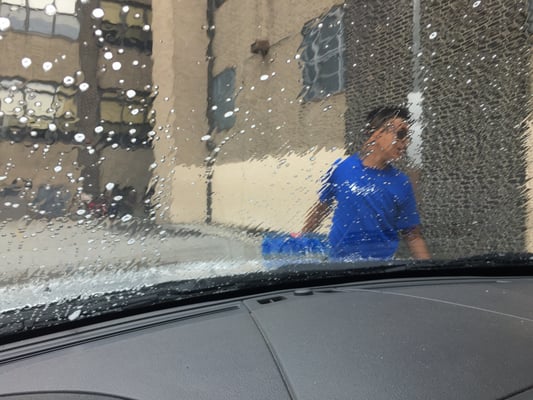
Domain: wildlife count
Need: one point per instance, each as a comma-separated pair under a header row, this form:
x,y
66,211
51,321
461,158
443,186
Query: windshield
x,y
152,142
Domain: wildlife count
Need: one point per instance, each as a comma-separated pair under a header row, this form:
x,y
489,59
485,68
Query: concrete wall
x,y
278,148
266,172
180,72
62,53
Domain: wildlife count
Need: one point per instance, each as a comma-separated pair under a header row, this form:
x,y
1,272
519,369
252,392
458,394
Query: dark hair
x,y
379,116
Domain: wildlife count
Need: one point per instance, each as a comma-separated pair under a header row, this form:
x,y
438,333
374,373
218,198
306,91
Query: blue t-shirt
x,y
373,205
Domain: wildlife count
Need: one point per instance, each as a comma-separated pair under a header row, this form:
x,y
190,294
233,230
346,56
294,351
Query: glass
x,y
149,142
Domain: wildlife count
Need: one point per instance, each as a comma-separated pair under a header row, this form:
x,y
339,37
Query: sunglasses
x,y
402,133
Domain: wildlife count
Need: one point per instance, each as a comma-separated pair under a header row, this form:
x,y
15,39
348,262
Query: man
x,y
374,201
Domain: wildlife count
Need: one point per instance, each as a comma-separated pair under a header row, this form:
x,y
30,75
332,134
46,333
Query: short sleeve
x,y
327,191
407,215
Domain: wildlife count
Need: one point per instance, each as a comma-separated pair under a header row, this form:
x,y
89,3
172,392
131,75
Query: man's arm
x,y
416,243
315,216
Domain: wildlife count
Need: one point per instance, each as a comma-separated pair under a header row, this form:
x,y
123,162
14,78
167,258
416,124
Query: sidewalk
x,y
40,250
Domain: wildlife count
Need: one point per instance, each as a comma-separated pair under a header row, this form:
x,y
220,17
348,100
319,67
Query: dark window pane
x,y
223,88
322,55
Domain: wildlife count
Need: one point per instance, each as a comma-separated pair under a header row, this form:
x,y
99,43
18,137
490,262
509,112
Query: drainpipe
x,y
88,101
209,167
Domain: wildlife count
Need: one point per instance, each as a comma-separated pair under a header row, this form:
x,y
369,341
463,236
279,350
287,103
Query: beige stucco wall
x,y
271,193
279,146
126,167
270,162
271,119
180,72
38,162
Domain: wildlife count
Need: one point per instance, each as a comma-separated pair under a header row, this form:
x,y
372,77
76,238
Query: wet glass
x,y
151,141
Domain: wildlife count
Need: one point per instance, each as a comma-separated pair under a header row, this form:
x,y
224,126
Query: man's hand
x,y
416,243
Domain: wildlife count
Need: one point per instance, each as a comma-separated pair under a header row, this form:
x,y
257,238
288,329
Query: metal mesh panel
x,y
473,71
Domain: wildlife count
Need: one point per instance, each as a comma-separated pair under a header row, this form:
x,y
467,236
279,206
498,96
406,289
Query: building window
x,y
322,55
127,25
126,120
222,105
44,17
32,109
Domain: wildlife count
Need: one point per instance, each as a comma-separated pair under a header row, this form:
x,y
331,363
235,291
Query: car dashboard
x,y
464,338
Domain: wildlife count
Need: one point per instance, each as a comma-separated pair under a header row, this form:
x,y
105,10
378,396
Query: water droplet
x,y
23,120
26,62
125,9
264,77
131,241
68,81
109,186
84,86
126,218
108,55
52,127
476,4
116,65
50,10
146,28
433,35
117,198
228,114
99,129
58,168
98,13
81,212
131,93
205,138
79,137
47,66
75,315
5,23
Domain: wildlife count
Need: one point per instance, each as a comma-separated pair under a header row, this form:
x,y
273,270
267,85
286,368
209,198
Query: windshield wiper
x,y
488,263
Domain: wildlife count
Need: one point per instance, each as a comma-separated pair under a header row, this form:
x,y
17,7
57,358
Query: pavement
x,y
43,261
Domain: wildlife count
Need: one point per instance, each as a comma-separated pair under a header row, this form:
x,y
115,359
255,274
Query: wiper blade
x,y
492,260
489,261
